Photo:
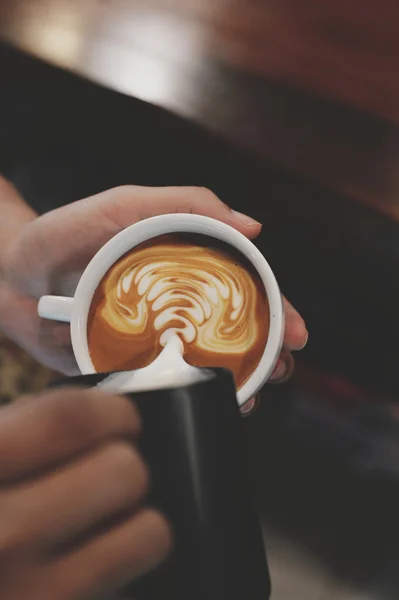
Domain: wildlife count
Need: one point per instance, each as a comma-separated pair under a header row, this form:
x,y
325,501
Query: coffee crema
x,y
211,297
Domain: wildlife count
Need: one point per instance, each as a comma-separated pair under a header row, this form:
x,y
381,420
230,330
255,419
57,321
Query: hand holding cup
x,y
49,253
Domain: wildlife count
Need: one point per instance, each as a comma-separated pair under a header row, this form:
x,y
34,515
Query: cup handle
x,y
56,308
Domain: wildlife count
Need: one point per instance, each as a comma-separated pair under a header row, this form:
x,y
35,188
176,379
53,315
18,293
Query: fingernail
x,y
245,219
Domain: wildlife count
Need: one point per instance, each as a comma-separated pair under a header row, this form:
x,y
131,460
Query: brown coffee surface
x,y
203,290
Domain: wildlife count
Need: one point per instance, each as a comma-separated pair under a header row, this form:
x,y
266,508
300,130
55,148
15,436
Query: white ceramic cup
x,y
75,310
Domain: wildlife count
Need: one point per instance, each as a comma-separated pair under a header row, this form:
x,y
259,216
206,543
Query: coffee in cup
x,y
194,286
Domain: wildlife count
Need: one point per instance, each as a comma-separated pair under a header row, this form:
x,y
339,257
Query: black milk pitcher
x,y
192,443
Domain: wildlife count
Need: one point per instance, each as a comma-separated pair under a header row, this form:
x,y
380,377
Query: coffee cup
x,y
76,310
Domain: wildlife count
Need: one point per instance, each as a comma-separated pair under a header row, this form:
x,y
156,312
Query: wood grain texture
x,y
312,86
345,51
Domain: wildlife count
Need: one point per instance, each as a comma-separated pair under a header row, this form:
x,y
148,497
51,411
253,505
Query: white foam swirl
x,y
198,293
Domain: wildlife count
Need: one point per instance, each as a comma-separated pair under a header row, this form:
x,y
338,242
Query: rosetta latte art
x,y
210,297
191,291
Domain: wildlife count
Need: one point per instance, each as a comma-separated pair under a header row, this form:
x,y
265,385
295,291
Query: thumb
x,y
128,204
65,239
93,221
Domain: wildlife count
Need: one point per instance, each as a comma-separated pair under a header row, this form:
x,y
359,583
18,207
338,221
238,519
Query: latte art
x,y
195,295
214,302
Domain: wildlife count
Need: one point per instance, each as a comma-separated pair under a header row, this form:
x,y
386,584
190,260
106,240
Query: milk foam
x,y
166,371
195,293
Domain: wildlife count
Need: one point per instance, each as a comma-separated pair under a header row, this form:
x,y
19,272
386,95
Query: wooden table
x,y
311,85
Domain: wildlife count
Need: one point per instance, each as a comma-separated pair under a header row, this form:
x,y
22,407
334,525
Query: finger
x,y
251,406
296,335
39,432
118,557
138,203
284,368
75,499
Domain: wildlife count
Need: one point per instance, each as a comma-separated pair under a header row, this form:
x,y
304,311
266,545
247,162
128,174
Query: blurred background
x,y
289,112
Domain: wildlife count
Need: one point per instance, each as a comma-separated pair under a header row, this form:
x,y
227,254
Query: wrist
x,y
15,214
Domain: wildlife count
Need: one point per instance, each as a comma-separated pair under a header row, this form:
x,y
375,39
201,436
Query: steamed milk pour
x,y
208,299
168,370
